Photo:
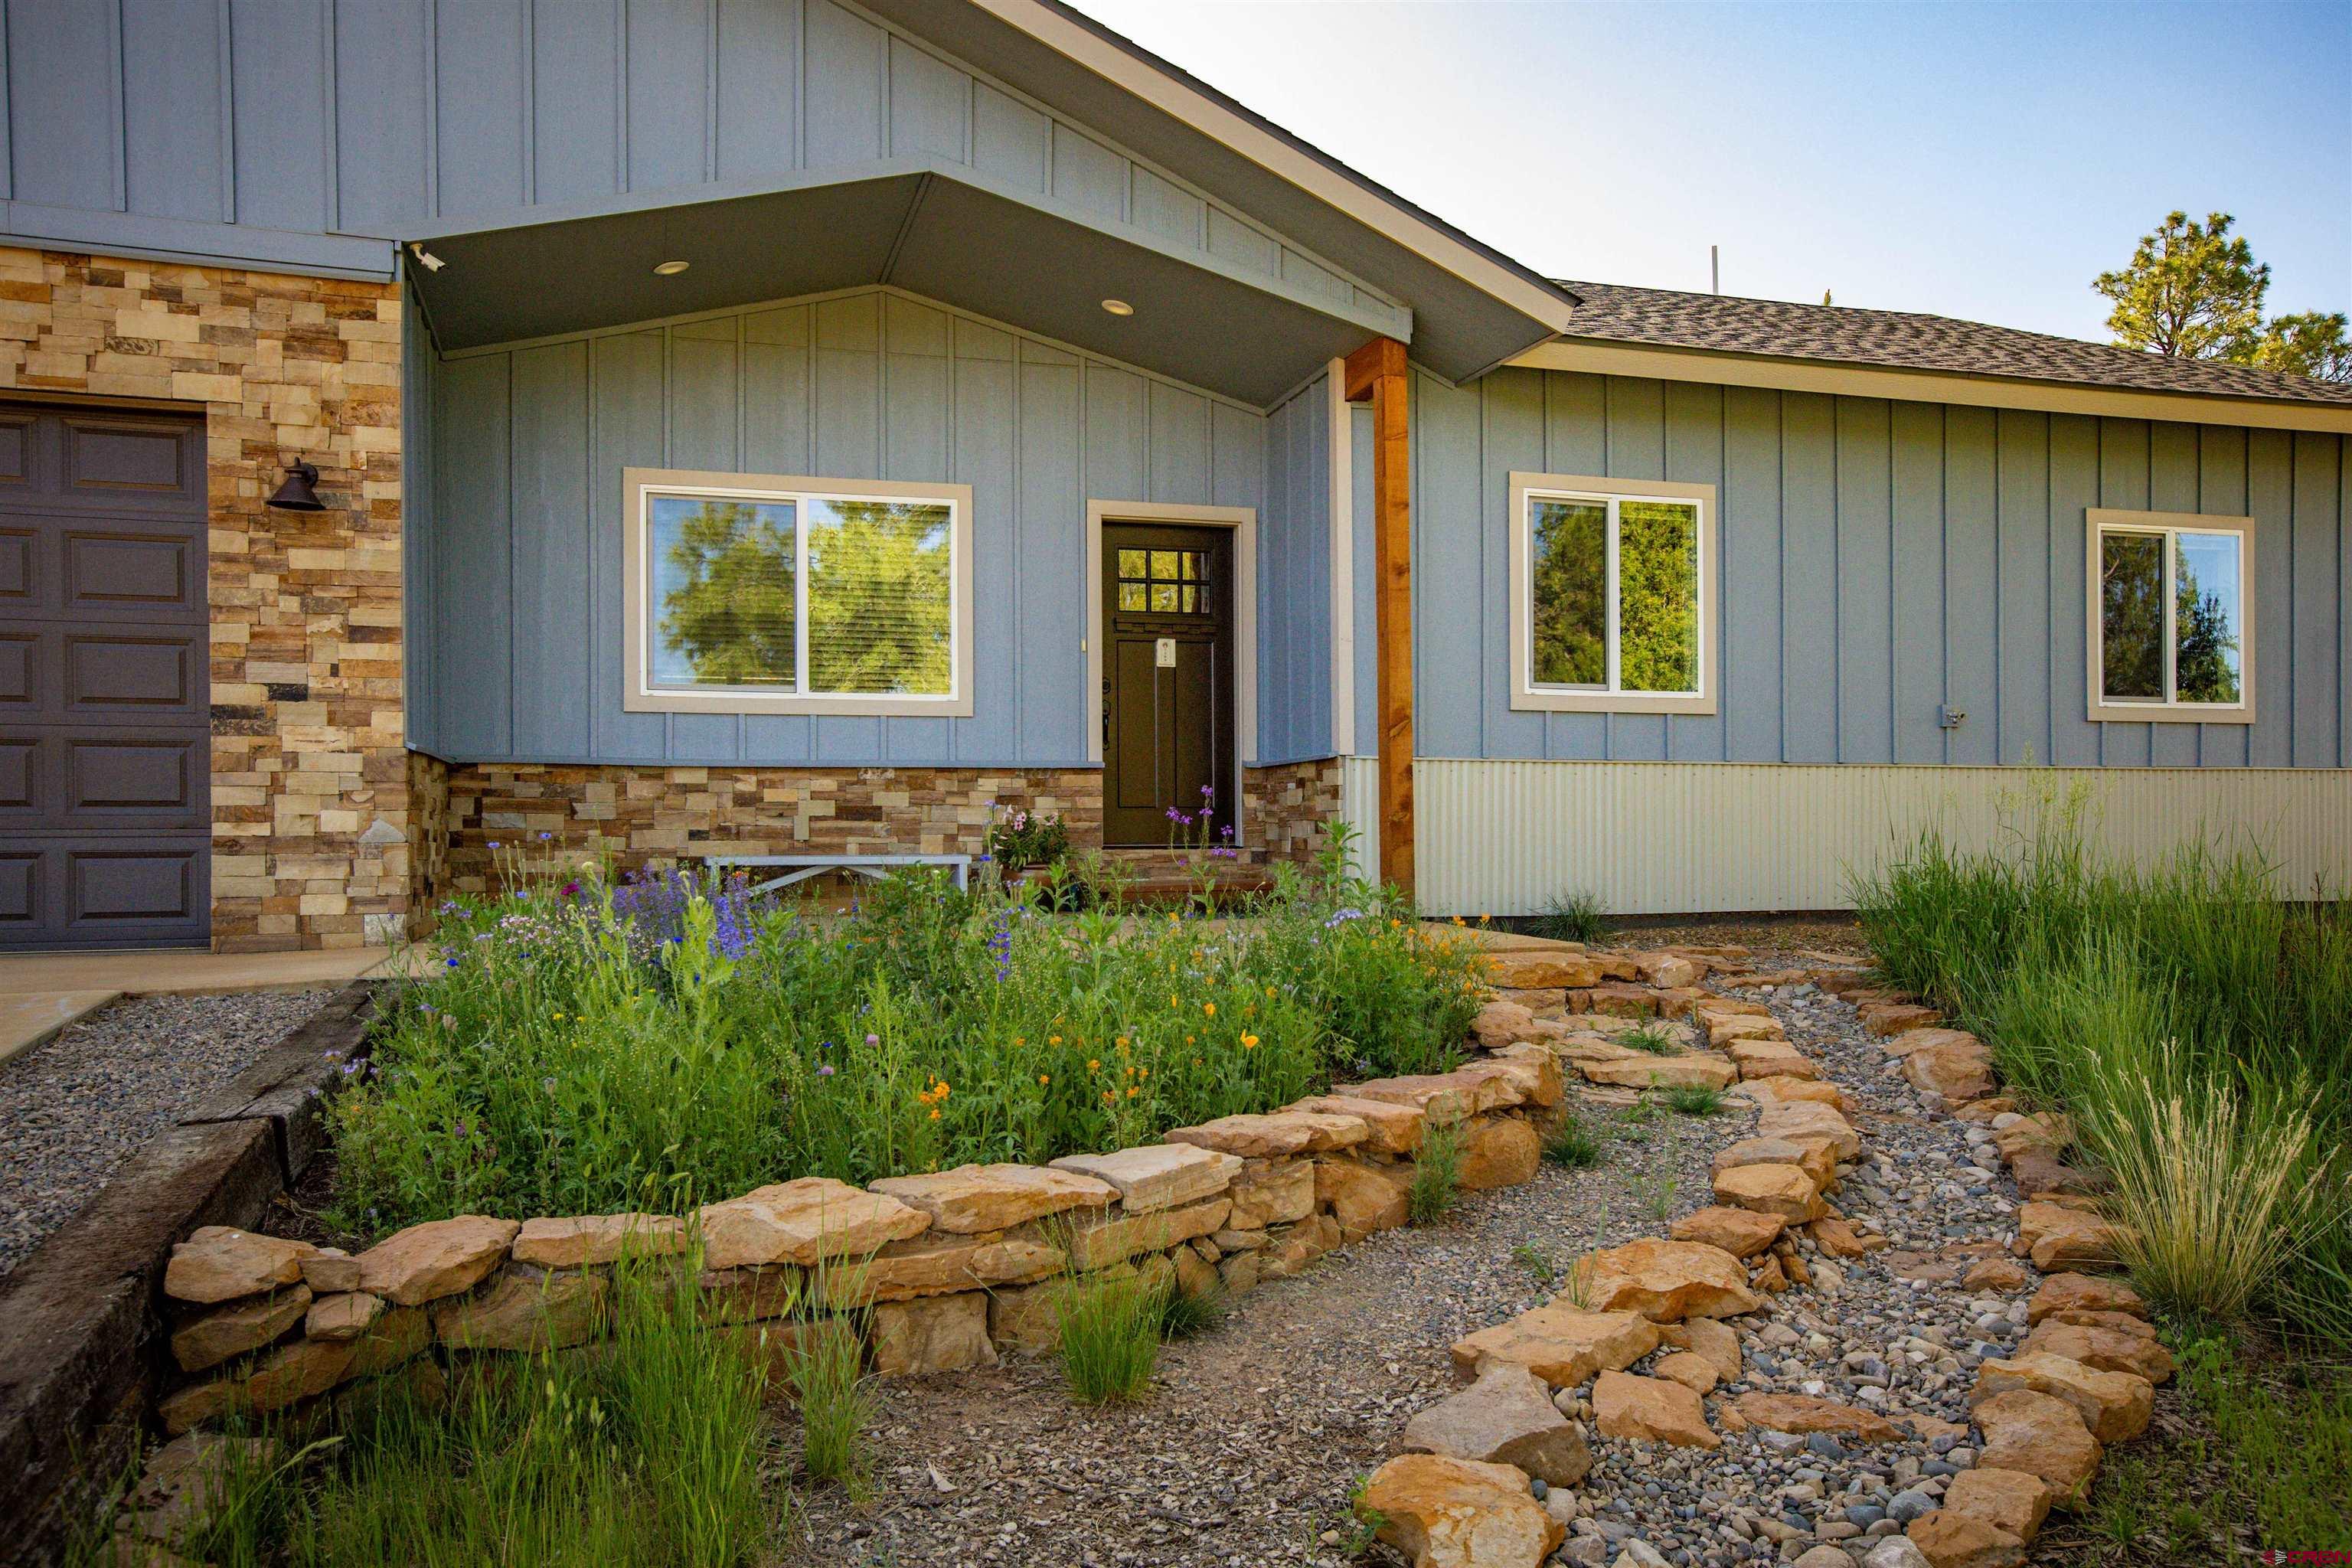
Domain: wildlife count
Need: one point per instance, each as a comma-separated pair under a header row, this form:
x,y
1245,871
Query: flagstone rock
x,y
2085,1292
330,1270
1721,1031
1115,1240
1669,971
221,1263
1639,1069
1802,1413
2000,1275
1239,1273
1541,971
1954,1071
246,1325
1911,1040
298,1370
1195,1276
2040,1435
1389,1128
344,1316
1690,1369
1801,1118
1763,1059
932,1265
1782,1190
778,1351
2041,1176
2115,1405
582,1239
1361,1198
2105,1349
1949,1539
973,1199
1499,1152
524,1310
1815,1155
439,1257
806,1221
1536,1066
1787,1088
1734,1007
1560,1344
397,1334
1741,1232
1837,1239
1505,1417
747,1294
937,1333
1157,1175
1444,1512
2057,1236
1501,1024
1897,1017
1667,1280
1449,1097
1271,1191
1278,1134
2016,1501
1625,1001
1718,1342
1651,1409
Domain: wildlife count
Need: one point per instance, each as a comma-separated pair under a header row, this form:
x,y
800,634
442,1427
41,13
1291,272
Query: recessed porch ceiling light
x,y
670,269
1118,307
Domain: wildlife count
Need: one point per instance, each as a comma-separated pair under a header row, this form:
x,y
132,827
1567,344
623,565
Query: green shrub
x,y
2192,1022
1650,1038
1110,1334
1569,917
584,1046
1573,1145
1694,1099
1183,1315
1436,1171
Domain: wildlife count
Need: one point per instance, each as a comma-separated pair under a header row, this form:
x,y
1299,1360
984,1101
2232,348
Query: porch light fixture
x,y
297,492
670,269
1118,307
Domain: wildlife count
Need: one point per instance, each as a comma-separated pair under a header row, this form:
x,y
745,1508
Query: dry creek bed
x,y
1245,1450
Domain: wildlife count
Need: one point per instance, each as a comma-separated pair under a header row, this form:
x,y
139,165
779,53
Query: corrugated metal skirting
x,y
1503,838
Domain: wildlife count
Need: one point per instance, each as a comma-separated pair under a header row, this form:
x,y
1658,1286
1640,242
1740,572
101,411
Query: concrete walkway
x,y
41,992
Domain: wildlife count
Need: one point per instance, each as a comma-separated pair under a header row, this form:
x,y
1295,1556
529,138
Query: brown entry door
x,y
1167,680
105,685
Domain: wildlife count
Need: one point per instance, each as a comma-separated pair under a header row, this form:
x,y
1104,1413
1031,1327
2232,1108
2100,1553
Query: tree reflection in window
x,y
723,575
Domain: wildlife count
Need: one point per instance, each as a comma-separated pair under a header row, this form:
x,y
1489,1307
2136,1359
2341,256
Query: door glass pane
x,y
1191,602
2131,616
1130,595
1163,566
1657,597
1131,563
1163,597
880,596
2206,588
722,592
1569,551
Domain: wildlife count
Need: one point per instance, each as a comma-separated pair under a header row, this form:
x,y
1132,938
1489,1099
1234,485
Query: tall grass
x,y
2192,1021
1109,1326
1436,1180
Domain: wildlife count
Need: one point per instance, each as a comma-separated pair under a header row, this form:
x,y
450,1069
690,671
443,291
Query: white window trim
x,y
2098,522
639,694
1526,695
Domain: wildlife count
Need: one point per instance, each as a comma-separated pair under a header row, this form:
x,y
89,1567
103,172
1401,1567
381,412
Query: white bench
x,y
873,867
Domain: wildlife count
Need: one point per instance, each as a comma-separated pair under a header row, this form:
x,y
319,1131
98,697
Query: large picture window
x,y
1611,594
784,595
2169,618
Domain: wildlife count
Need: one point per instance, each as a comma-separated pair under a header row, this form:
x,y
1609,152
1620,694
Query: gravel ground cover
x,y
72,1111
1245,1451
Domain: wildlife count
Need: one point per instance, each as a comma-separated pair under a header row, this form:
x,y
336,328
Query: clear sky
x,y
1977,159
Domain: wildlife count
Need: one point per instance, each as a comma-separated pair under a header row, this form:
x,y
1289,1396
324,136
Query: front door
x,y
1168,682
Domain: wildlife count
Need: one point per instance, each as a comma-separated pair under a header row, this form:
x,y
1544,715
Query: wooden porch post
x,y
1377,371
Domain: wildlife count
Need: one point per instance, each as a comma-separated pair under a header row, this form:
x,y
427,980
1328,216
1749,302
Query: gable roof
x,y
1904,340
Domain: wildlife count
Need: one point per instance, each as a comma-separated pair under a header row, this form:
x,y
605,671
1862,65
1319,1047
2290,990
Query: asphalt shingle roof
x,y
1900,339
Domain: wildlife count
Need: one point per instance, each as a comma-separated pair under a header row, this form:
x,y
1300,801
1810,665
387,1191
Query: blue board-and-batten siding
x,y
522,593
305,134
1877,560
1294,563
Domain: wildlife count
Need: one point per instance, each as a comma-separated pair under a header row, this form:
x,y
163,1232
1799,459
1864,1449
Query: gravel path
x,y
1245,1450
72,1111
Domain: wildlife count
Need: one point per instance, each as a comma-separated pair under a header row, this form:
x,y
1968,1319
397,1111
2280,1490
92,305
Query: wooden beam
x,y
1377,371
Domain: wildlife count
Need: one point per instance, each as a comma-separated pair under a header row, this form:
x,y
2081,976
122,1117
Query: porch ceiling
x,y
940,232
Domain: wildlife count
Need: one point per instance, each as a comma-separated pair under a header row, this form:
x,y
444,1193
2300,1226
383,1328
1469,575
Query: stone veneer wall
x,y
652,814
309,787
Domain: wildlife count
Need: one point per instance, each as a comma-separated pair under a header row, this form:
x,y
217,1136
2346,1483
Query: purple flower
x,y
873,1039
825,1069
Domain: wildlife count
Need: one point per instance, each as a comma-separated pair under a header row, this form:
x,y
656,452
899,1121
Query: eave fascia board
x,y
1222,121
1714,367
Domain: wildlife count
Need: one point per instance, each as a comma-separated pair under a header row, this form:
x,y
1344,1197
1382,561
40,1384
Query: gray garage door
x,y
104,751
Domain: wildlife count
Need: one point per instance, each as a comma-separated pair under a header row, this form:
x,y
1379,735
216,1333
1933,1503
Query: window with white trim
x,y
782,594
1613,595
2169,618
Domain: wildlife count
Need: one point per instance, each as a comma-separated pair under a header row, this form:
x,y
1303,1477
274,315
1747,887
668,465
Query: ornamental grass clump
x,y
1436,1171
584,1046
1109,1333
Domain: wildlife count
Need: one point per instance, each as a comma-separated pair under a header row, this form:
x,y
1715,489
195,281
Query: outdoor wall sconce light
x,y
298,493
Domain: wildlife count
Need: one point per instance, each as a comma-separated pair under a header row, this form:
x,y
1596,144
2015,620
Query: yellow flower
x,y
1053,1041
1145,1073
1269,990
1190,1040
1132,1093
1122,1042
1210,1008
1095,1065
1044,1078
935,1116
1109,1097
1249,1042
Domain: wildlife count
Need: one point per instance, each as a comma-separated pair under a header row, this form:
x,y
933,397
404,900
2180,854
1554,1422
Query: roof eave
x,y
1791,373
